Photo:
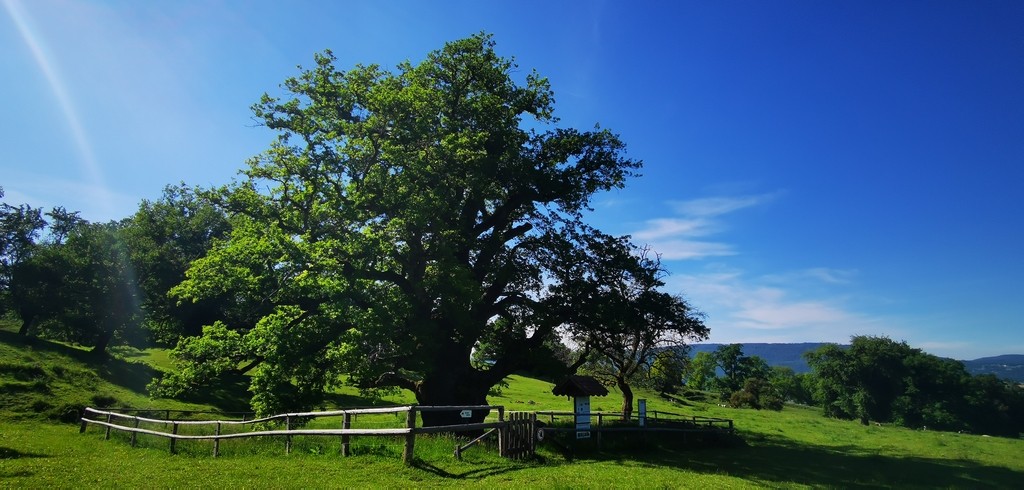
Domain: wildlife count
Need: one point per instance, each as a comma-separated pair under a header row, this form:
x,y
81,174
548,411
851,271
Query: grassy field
x,y
795,448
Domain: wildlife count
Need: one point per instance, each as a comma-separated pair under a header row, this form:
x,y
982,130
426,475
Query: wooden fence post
x,y
216,441
533,433
135,434
346,423
502,432
106,435
288,437
174,431
410,438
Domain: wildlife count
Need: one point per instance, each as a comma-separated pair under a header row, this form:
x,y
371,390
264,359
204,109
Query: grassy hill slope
x,y
795,448
42,380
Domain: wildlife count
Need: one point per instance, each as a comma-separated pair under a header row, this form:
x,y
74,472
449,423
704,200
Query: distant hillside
x,y
1010,366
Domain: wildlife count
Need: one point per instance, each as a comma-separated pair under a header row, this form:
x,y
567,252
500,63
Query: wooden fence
x,y
512,434
517,436
654,421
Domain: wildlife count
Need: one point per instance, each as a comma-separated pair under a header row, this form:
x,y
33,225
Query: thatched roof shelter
x,y
575,386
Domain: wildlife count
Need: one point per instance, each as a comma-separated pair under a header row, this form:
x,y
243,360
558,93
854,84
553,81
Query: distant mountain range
x,y
1010,366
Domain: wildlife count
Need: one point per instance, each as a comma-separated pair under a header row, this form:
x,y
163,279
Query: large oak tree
x,y
400,217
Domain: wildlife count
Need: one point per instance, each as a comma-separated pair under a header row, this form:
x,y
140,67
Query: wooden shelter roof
x,y
580,386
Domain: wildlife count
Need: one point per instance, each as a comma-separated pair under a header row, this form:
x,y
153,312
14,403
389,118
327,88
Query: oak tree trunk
x,y
26,325
456,383
627,399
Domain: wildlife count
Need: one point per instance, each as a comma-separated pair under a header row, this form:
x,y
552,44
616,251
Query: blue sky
x,y
813,170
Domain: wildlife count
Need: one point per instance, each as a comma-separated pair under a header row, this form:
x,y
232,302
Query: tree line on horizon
x,y
872,380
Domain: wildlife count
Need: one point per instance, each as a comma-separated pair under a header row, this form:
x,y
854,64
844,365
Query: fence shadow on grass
x,y
783,461
473,474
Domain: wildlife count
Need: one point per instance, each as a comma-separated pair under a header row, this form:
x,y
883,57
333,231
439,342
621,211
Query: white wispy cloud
x,y
715,206
690,249
741,308
801,305
810,305
684,236
825,275
672,227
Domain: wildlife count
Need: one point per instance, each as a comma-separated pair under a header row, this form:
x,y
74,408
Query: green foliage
x,y
401,218
19,228
736,368
666,372
164,237
756,393
886,381
202,361
700,373
626,320
81,290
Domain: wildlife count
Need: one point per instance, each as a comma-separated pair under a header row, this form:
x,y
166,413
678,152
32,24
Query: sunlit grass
x,y
795,448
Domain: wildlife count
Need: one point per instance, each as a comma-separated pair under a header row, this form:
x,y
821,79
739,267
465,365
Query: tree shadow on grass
x,y
230,394
10,453
344,400
782,461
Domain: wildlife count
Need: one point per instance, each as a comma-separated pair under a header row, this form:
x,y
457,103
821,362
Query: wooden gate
x,y
518,437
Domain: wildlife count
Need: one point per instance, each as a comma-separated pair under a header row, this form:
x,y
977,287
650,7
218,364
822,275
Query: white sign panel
x,y
466,414
583,434
642,405
582,410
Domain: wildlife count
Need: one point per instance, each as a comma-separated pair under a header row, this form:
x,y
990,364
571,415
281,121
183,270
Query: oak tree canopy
x,y
399,218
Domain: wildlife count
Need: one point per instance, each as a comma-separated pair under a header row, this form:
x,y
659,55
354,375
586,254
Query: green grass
x,y
795,448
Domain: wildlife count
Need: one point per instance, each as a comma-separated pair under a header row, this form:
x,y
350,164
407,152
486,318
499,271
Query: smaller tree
x,y
36,287
792,387
667,370
82,290
625,319
861,381
737,368
20,227
101,295
165,236
700,373
756,393
994,406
